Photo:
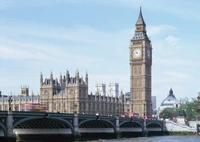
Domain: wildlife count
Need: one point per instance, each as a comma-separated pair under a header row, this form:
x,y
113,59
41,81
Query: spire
x,y
171,93
41,75
41,78
60,78
86,78
140,18
51,75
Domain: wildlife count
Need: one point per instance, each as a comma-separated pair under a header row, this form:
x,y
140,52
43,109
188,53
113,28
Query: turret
x,y
61,79
86,78
77,77
51,78
41,79
67,77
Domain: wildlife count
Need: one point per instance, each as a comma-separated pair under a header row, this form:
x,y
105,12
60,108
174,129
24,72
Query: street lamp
x,y
117,110
9,102
75,106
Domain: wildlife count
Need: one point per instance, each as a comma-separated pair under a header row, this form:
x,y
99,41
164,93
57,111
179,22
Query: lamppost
x,y
9,102
117,110
75,108
16,107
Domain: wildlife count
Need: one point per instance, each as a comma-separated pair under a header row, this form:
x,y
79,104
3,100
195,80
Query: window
x,y
54,106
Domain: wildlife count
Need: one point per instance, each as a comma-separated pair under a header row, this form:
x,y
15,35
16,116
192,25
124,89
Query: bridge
x,y
21,123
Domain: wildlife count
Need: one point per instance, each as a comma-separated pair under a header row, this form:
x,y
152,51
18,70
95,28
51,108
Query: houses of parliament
x,y
70,93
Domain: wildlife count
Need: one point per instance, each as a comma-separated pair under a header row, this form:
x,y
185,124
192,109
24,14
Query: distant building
x,y
153,98
101,89
113,89
127,96
24,91
127,103
170,101
19,100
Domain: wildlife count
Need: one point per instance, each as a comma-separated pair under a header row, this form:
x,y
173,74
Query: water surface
x,y
157,139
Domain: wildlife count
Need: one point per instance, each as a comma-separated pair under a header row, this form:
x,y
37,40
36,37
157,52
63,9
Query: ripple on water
x,y
158,139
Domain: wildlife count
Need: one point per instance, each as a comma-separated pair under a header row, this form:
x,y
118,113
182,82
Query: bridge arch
x,y
153,124
93,123
2,126
130,123
54,122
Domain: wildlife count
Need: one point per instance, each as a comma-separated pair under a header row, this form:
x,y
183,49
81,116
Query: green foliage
x,y
168,113
189,107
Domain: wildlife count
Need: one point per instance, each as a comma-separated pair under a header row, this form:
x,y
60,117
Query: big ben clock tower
x,y
140,70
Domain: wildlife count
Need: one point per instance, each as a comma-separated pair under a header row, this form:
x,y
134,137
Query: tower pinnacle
x,y
140,20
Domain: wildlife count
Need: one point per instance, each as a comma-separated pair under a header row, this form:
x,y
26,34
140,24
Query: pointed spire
x,y
51,74
140,18
86,73
171,92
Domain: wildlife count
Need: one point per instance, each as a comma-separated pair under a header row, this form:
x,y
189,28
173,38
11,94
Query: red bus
x,y
34,107
134,115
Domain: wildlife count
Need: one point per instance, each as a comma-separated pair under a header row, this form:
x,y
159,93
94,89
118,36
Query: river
x,y
156,139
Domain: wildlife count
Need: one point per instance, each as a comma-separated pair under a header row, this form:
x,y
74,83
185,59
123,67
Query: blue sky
x,y
45,35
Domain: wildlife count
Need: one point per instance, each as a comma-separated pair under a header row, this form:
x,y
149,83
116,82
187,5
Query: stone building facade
x,y
19,100
67,95
70,94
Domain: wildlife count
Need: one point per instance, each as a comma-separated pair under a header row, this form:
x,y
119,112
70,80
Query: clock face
x,y
137,53
148,53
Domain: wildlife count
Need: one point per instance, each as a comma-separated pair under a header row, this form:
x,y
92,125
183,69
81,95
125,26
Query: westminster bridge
x,y
22,123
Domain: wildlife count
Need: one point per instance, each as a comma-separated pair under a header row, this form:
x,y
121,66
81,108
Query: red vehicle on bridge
x,y
34,107
133,115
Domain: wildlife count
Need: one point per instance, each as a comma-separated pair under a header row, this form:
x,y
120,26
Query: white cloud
x,y
172,40
6,4
172,78
159,29
165,61
12,53
176,75
172,7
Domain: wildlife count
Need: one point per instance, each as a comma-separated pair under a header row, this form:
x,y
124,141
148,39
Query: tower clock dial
x,y
148,53
137,53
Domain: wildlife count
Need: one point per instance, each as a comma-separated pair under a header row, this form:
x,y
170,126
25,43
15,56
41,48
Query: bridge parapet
x,y
75,124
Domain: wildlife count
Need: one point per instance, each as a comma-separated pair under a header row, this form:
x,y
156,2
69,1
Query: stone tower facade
x,y
24,91
69,94
140,70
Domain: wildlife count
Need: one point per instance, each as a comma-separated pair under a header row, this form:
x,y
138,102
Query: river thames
x,y
156,139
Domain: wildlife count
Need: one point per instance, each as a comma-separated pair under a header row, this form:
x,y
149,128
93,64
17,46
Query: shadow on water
x,y
45,138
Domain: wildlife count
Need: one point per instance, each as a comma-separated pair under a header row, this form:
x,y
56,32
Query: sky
x,y
94,36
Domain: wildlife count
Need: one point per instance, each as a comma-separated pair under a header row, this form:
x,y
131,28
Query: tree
x,y
190,107
168,113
